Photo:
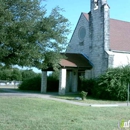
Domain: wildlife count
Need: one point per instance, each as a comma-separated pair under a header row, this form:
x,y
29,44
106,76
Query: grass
x,y
20,113
10,88
1,91
89,100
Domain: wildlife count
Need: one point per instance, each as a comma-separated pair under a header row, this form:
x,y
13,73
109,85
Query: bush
x,y
52,84
87,85
111,86
31,84
34,84
83,95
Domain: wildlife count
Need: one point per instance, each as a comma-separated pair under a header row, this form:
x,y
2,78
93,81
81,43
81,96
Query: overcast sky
x,y
119,9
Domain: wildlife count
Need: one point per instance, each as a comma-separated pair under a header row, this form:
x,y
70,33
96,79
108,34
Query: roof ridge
x,y
119,20
110,18
86,15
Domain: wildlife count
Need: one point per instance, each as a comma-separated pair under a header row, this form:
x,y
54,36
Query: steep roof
x,y
119,34
75,60
86,15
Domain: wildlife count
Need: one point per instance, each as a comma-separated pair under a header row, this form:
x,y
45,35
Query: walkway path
x,y
51,96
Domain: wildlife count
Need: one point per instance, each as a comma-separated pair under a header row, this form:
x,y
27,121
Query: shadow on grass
x,y
8,89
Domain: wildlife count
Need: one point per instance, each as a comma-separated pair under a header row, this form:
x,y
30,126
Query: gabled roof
x,y
86,15
119,34
87,18
75,60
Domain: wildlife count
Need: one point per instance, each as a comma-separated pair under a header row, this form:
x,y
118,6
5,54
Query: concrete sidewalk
x,y
51,96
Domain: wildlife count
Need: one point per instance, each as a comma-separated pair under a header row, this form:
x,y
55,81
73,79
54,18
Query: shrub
x,y
31,84
52,84
87,85
111,86
83,95
35,84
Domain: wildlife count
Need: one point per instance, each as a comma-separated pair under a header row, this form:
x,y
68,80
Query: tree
x,y
27,74
6,74
16,74
9,73
27,33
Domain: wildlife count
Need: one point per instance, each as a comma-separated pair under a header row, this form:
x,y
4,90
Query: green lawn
x,y
20,113
1,91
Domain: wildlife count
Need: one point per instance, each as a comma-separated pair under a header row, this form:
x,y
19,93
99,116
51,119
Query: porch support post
x,y
68,81
44,82
62,82
75,81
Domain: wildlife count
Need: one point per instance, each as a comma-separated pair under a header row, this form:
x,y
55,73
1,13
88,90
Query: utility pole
x,y
128,96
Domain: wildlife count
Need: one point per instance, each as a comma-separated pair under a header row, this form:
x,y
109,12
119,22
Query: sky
x,y
119,9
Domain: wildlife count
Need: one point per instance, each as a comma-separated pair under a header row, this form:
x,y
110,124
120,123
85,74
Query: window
x,y
82,33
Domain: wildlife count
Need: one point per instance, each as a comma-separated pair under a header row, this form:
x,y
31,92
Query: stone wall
x,y
74,45
99,23
96,41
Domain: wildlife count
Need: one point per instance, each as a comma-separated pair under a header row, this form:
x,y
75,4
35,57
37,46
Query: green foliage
x,y
52,84
16,75
31,84
34,83
87,85
9,73
27,74
55,75
83,95
27,33
112,85
6,74
51,60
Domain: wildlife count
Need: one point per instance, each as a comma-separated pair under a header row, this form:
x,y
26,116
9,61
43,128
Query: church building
x,y
105,41
98,43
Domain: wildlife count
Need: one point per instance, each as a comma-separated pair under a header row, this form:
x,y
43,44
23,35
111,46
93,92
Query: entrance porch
x,y
69,70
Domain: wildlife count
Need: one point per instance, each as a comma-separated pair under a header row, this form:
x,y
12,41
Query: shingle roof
x,y
119,34
86,15
74,60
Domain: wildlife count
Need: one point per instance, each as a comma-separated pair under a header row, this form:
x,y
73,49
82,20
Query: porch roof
x,y
75,60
